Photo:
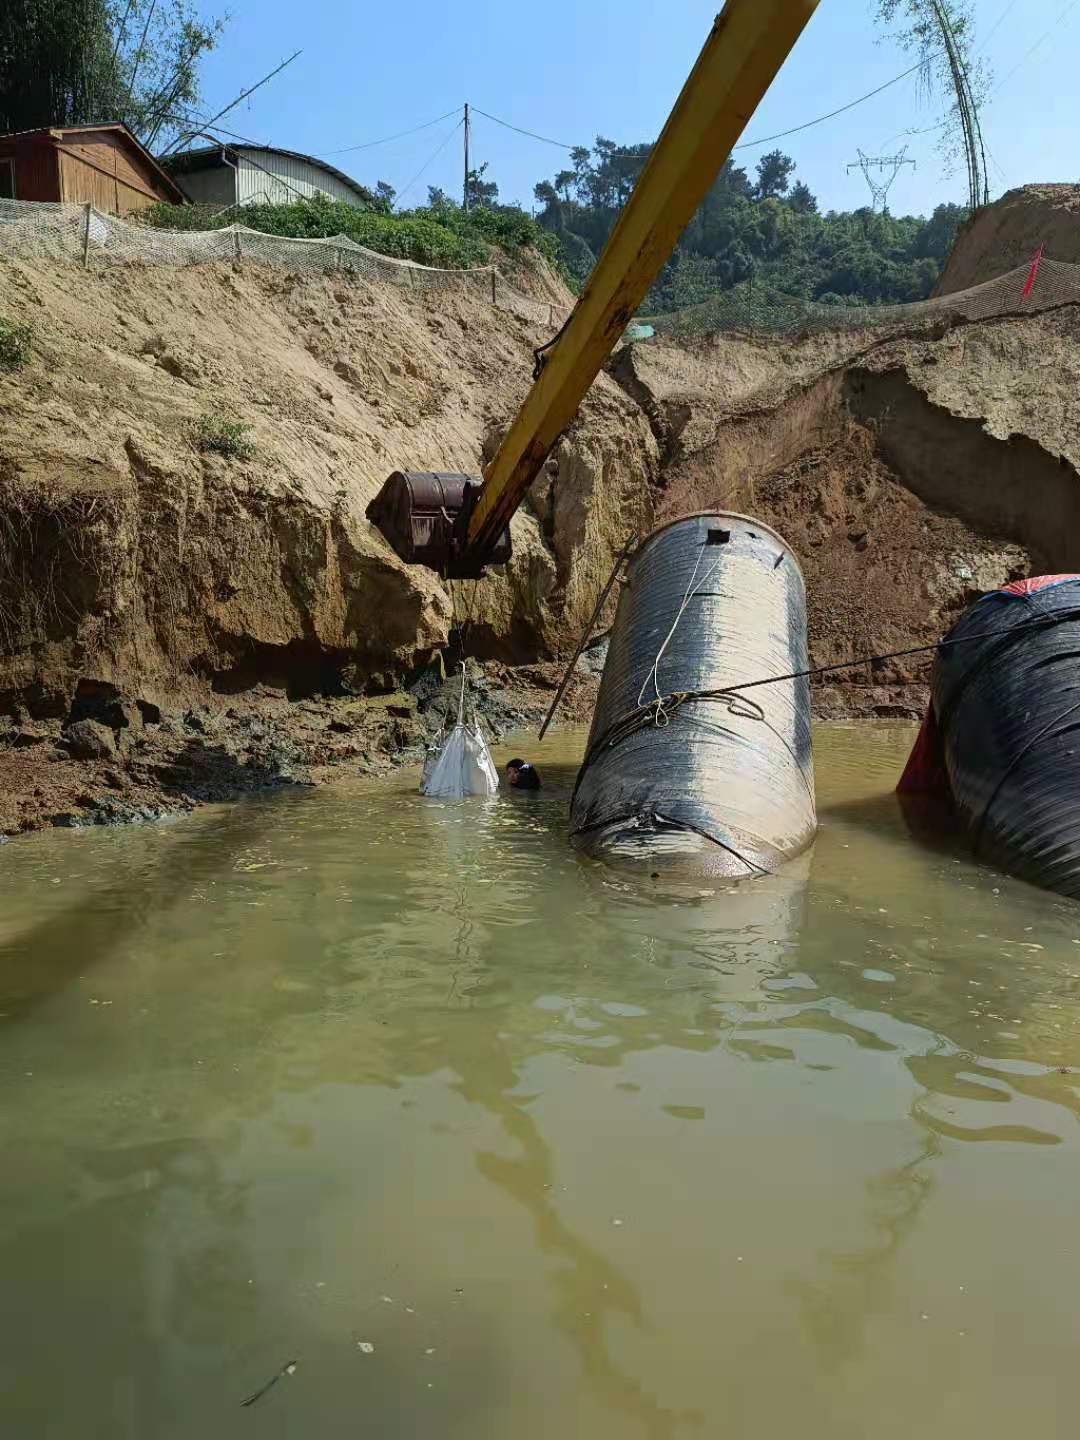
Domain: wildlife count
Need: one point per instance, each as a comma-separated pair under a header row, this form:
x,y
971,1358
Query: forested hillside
x,y
768,228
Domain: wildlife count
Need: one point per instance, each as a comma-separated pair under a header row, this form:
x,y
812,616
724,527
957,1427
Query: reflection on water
x,y
573,1153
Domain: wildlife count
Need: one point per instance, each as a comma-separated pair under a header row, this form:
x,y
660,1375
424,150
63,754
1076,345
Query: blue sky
x,y
571,69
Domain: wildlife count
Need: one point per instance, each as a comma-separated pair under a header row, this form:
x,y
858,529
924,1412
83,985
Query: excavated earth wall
x,y
178,624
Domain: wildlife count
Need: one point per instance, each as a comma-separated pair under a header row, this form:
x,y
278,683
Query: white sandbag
x,y
463,766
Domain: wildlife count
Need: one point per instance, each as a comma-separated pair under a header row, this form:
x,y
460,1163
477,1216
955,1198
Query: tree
x,y
581,160
937,235
940,33
733,182
478,190
385,195
770,230
438,199
802,199
82,62
774,175
563,181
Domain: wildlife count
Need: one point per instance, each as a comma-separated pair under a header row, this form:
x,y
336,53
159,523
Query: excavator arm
x,y
455,523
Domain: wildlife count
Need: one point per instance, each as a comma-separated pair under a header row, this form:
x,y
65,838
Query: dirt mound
x,y
1008,233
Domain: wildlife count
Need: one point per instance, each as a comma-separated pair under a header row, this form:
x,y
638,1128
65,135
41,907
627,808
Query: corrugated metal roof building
x,y
103,165
250,174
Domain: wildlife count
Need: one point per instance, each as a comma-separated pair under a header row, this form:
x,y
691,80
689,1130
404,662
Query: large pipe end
x,y
647,843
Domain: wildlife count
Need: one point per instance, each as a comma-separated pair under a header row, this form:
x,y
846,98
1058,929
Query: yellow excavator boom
x,y
748,43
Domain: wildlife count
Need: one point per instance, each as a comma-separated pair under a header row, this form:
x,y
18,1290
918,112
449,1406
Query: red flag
x,y
1030,281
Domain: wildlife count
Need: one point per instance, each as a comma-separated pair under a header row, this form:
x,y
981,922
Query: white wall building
x,y
249,175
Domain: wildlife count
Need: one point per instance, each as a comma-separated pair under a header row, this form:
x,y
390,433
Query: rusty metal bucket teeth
x,y
424,515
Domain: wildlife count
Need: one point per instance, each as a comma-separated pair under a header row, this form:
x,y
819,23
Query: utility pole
x,y
879,188
465,188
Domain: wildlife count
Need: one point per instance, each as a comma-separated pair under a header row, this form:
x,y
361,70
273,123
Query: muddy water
x,y
354,1069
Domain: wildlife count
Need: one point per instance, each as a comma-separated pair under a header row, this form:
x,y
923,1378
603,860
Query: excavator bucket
x,y
436,519
424,515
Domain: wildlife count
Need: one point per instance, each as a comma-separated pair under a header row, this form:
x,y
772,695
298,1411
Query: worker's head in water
x,y
520,775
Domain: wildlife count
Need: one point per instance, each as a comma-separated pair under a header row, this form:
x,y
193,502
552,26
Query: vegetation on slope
x,y
442,234
66,62
14,344
768,231
762,240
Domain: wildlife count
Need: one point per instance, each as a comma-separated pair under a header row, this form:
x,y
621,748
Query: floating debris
x,y
289,1368
365,1347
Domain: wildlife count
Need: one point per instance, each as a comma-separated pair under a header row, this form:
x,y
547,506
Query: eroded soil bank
x,y
178,625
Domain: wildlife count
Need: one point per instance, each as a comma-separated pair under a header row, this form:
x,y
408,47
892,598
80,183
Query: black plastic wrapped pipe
x,y
1007,713
720,786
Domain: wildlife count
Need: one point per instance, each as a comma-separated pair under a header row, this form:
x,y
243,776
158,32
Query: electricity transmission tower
x,y
887,167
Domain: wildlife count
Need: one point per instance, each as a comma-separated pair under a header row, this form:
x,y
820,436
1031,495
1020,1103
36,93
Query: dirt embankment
x,y
122,541
177,625
910,474
133,564
1008,233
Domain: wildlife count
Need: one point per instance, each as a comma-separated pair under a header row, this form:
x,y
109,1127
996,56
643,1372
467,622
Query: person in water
x,y
520,775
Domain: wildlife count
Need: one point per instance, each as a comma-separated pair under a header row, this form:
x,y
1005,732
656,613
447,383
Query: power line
x,y
429,161
997,166
925,130
561,144
400,134
1009,8
265,144
545,139
783,134
744,144
1043,37
624,155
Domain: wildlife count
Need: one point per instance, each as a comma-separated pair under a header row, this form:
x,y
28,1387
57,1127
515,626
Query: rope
x,y
461,697
633,815
641,717
654,672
